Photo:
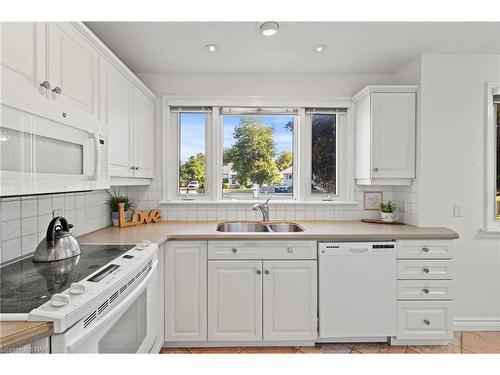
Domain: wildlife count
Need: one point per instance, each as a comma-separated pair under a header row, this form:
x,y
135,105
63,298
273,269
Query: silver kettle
x,y
59,243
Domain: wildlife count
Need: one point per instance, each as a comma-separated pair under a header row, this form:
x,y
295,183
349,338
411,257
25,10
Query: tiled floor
x,y
464,342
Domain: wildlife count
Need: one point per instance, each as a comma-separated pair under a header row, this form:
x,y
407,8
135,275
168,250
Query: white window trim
x,y
491,225
213,195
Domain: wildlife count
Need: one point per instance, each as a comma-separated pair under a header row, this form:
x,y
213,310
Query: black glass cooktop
x,y
25,285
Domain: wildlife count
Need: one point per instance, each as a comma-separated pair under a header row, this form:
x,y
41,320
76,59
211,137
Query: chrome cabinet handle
x,y
259,272
235,250
426,270
57,90
375,169
425,249
136,168
266,272
45,85
290,250
132,168
427,322
425,290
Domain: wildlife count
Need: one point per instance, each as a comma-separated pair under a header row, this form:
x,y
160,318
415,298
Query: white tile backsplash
x,y
25,219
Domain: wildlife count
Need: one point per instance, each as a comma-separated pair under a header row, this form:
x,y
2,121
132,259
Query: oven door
x,y
131,327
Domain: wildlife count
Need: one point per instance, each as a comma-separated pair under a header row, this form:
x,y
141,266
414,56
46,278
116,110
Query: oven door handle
x,y
117,311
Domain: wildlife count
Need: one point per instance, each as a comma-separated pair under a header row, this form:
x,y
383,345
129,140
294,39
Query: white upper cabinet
x,y
144,135
385,118
23,65
116,119
72,65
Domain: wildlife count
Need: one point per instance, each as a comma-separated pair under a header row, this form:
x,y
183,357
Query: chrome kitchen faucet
x,y
264,208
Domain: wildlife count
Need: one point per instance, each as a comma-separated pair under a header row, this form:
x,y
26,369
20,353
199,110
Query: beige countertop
x,y
313,230
14,334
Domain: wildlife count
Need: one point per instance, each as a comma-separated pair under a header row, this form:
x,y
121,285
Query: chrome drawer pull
x,y
425,249
234,250
427,322
266,272
258,272
290,250
426,270
425,290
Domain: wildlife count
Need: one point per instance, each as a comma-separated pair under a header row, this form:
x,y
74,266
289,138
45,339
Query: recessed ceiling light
x,y
212,47
269,28
320,48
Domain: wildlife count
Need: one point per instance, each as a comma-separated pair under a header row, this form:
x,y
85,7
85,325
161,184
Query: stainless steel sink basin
x,y
241,226
250,226
285,227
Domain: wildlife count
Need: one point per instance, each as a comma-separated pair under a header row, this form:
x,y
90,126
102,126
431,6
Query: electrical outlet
x,y
457,210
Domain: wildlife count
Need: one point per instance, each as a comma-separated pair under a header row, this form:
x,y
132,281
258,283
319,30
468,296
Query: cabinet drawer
x,y
424,269
425,249
424,289
262,250
423,320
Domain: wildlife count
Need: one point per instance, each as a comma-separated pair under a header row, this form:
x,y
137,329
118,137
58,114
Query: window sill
x,y
272,202
490,232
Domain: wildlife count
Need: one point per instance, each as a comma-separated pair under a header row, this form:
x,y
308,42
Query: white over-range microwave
x,y
40,156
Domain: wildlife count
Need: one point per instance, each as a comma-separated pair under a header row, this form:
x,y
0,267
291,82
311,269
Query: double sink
x,y
251,226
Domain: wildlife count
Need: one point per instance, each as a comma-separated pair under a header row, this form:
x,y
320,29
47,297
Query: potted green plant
x,y
114,200
387,213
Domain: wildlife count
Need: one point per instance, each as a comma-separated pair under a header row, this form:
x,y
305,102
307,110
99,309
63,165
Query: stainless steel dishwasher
x,y
357,291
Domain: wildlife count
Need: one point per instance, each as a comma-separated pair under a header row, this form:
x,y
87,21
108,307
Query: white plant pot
x,y
388,217
115,217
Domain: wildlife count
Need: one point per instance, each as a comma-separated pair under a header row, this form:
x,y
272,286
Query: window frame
x,y
491,225
295,156
214,143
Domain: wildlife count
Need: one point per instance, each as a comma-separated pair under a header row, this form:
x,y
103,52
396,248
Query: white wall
x,y
451,171
245,84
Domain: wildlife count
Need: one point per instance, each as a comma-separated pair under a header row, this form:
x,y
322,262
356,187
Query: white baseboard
x,y
476,324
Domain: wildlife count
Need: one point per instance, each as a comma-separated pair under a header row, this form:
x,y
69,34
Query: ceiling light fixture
x,y
212,48
269,28
320,48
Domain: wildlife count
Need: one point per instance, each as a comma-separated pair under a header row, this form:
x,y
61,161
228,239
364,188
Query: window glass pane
x,y
192,153
324,154
498,162
257,156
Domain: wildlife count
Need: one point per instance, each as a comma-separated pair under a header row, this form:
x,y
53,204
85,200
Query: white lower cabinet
x,y
254,300
235,300
290,300
424,320
186,291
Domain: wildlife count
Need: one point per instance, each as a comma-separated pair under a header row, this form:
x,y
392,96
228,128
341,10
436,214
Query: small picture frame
x,y
372,200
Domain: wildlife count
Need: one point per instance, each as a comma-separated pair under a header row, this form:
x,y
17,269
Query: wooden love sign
x,y
137,217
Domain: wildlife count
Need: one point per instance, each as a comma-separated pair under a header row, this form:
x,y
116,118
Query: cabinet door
x,y
144,129
72,69
116,113
290,300
234,300
393,135
186,291
23,66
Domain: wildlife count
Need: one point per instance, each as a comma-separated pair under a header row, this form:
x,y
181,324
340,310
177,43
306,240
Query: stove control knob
x,y
77,288
59,300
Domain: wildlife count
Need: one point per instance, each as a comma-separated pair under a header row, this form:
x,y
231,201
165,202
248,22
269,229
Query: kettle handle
x,y
52,227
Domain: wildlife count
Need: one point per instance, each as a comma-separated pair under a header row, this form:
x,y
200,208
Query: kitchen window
x,y
497,155
242,154
492,169
257,153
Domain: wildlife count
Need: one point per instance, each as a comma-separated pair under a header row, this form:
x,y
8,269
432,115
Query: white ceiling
x,y
354,47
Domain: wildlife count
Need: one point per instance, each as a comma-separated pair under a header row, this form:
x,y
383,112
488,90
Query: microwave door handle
x,y
117,311
97,159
